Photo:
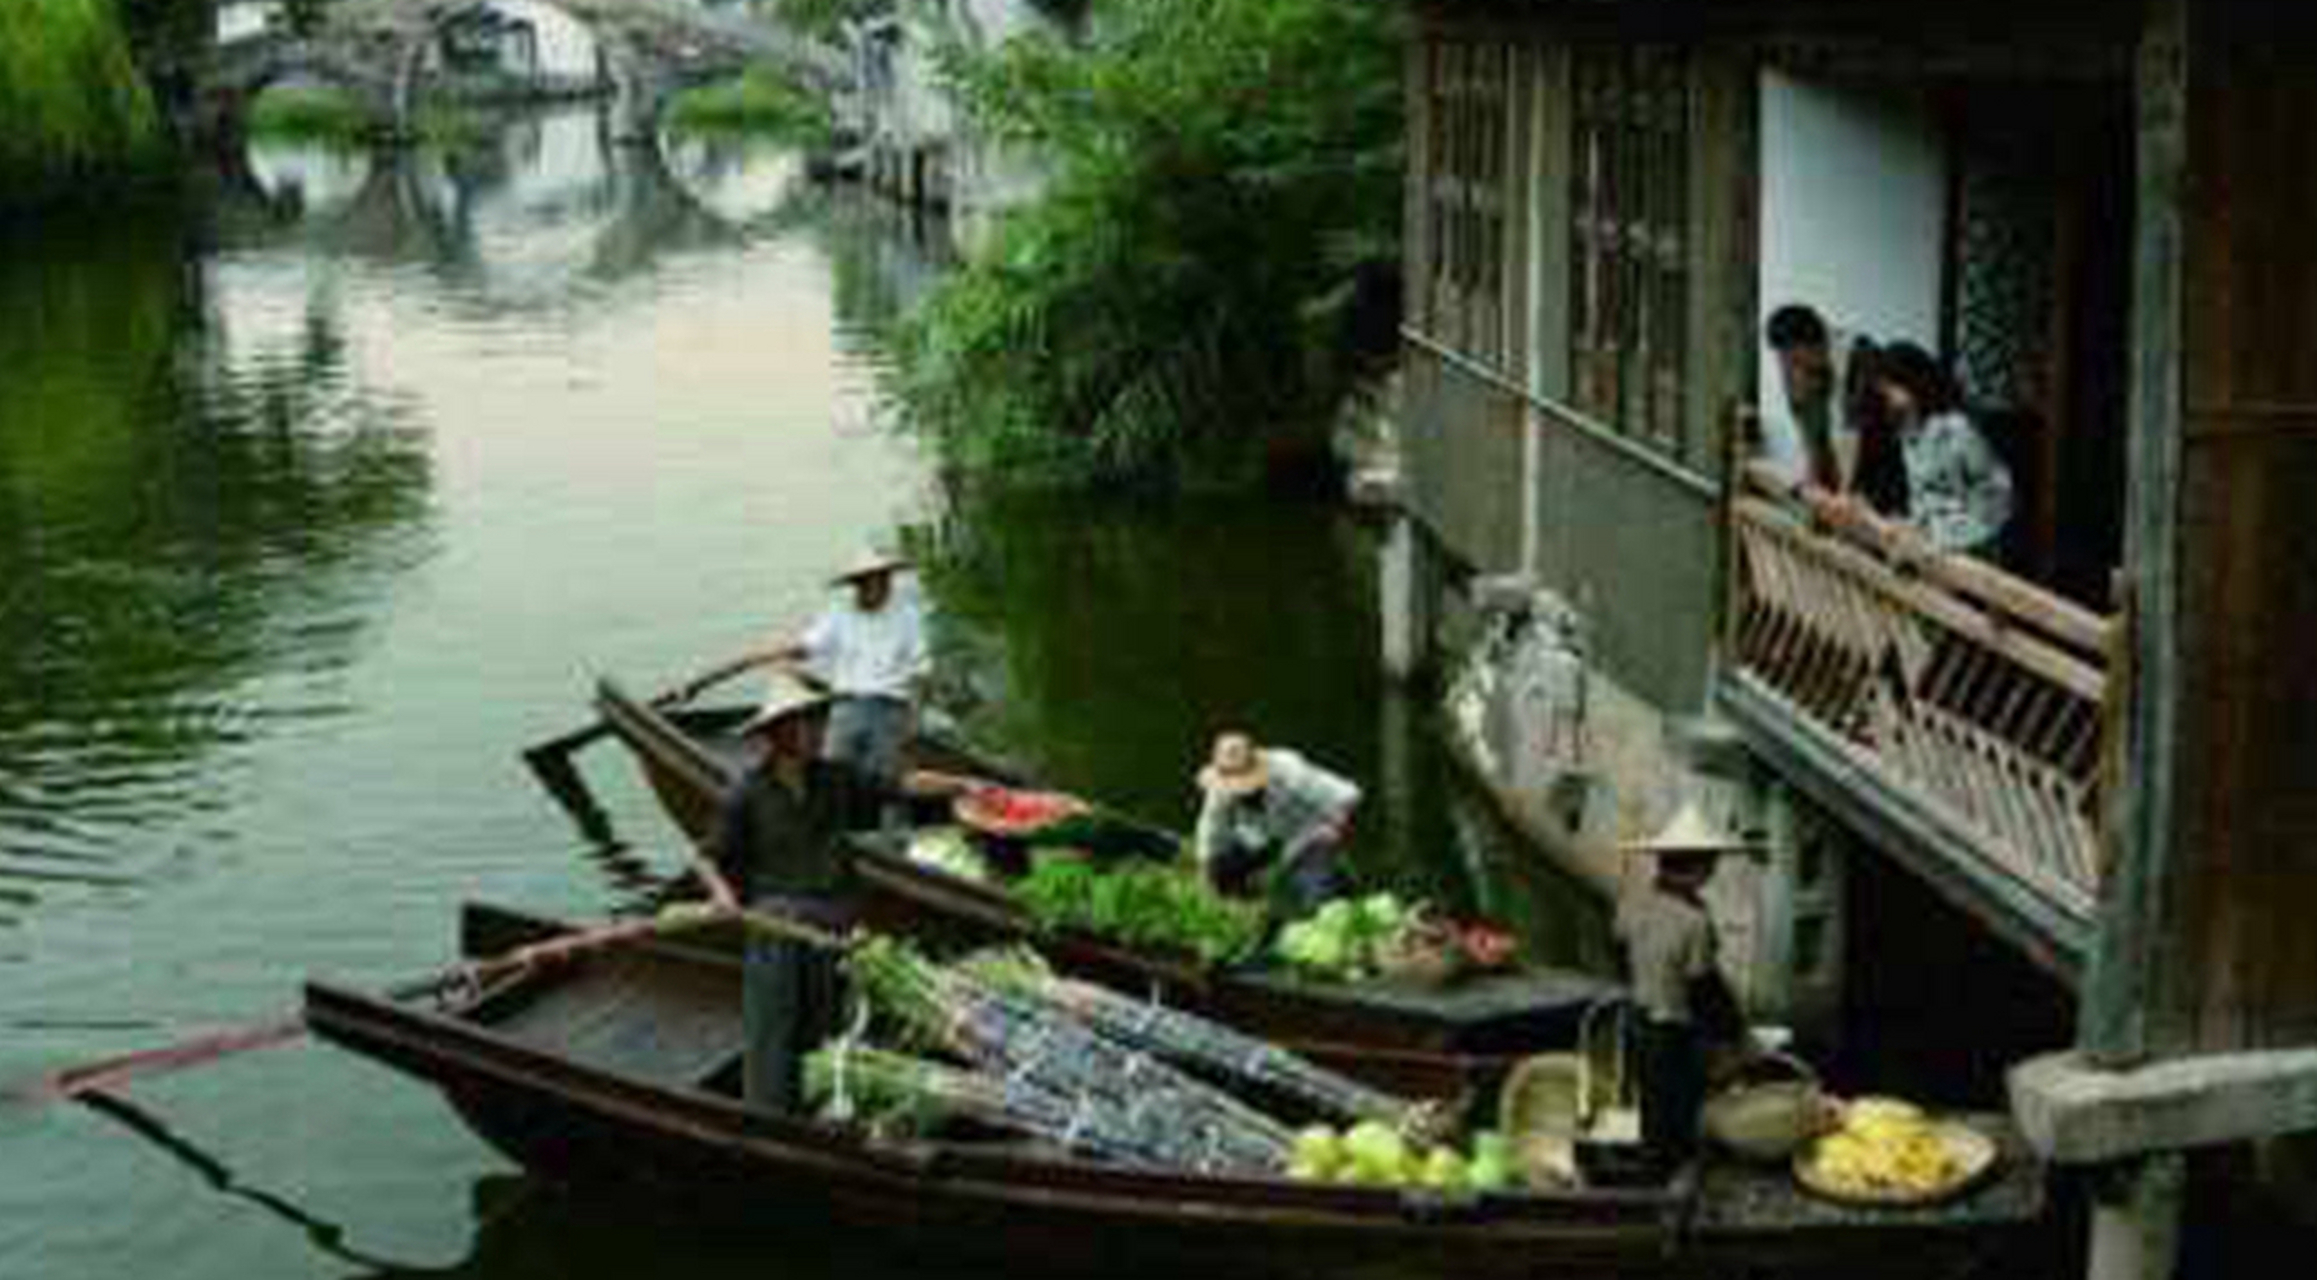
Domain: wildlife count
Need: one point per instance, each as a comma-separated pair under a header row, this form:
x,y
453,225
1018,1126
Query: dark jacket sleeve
x,y
735,838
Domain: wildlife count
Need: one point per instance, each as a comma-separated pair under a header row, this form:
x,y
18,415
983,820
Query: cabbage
x,y
1443,1168
1382,912
1377,1152
1320,1149
1489,1171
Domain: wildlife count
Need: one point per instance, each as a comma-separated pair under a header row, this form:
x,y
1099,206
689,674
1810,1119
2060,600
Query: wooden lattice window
x,y
1465,187
1629,267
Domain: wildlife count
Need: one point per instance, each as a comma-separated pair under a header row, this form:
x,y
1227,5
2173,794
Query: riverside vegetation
x,y
1194,295
76,105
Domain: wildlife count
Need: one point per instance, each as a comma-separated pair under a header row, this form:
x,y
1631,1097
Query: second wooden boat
x,y
1412,1038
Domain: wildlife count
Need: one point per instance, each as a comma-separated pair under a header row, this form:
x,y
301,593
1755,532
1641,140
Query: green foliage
x,y
826,19
1174,308
760,102
74,103
317,112
1166,908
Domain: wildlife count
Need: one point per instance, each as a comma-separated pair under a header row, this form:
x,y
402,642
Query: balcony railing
x,y
1982,699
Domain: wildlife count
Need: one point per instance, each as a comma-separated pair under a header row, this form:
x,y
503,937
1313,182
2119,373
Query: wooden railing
x,y
1982,698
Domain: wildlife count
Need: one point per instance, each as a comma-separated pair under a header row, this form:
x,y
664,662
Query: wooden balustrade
x,y
1977,694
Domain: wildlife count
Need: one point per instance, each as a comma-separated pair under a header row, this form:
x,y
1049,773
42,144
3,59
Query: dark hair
x,y
1922,375
1794,325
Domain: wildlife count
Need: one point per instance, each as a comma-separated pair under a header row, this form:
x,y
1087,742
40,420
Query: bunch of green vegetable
x,y
1348,938
946,849
1142,905
1376,1155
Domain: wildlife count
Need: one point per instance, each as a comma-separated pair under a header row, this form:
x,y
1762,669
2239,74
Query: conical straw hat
x,y
1690,832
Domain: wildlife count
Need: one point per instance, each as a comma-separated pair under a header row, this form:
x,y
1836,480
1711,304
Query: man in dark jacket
x,y
776,846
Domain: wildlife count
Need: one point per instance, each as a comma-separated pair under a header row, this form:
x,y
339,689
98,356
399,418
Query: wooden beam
x,y
2128,1013
2073,1112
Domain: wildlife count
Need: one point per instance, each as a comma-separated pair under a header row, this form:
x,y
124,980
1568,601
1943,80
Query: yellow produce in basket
x,y
1885,1150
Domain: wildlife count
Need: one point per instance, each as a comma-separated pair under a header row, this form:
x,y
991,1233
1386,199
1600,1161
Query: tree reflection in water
x,y
183,508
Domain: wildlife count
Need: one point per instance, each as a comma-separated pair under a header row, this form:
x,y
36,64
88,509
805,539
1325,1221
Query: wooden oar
x,y
684,691
110,1073
550,761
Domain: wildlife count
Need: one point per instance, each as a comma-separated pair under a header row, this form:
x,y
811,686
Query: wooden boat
x,y
622,1069
1424,1040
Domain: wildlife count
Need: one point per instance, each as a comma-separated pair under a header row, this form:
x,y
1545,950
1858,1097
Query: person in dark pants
x,y
776,845
1268,812
1688,1008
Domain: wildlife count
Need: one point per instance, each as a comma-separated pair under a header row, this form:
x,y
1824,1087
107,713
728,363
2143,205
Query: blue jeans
x,y
867,734
788,1006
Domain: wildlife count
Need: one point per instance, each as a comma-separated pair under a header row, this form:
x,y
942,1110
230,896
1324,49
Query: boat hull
x,y
617,1072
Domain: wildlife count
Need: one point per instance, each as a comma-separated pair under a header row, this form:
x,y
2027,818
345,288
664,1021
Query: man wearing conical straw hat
x,y
1674,955
1267,809
868,649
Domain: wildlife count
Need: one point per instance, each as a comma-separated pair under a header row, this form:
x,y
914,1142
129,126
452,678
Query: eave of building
x,y
1958,38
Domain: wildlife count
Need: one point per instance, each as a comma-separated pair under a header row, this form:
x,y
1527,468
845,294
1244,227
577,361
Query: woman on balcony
x,y
1958,491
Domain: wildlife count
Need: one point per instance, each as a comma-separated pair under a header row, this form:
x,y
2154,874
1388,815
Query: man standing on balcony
x,y
1822,369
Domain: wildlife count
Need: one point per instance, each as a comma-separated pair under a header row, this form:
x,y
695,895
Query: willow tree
x,y
1223,174
76,105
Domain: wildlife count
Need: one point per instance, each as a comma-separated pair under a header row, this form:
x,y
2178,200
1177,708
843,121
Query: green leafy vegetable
x,y
1159,907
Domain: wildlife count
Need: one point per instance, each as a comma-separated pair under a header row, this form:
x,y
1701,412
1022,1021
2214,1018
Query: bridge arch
x,y
255,65
648,50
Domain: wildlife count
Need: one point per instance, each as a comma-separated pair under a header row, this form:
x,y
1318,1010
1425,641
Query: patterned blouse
x,y
1958,490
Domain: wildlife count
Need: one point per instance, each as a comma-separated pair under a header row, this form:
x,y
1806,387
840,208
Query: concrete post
x,y
2136,1221
1799,946
1407,603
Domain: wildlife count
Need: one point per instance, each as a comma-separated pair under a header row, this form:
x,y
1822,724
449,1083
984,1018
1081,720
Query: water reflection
x,y
186,502
1107,647
539,212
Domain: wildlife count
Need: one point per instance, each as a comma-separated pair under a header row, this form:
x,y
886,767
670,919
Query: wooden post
x,y
2122,1019
2129,1009
2136,1221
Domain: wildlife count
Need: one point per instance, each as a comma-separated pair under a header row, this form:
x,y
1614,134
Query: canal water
x,y
320,499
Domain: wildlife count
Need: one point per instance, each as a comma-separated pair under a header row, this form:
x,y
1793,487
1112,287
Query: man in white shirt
x,y
870,651
1264,804
1816,440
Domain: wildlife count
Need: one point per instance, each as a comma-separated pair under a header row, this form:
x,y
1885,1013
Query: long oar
x,y
111,1073
567,743
550,761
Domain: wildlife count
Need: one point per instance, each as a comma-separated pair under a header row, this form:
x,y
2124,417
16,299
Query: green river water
x,y
321,499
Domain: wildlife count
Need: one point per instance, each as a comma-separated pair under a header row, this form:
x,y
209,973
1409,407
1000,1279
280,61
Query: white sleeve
x,y
820,637
1207,837
1328,792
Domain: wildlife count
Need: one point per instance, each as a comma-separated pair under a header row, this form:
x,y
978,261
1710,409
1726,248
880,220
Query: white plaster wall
x,y
566,46
1854,210
244,18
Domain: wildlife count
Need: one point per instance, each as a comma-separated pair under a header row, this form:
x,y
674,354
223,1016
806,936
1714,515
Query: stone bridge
x,y
379,50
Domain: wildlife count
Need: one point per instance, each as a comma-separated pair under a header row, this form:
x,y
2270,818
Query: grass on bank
x,y
309,113
75,105
333,116
759,102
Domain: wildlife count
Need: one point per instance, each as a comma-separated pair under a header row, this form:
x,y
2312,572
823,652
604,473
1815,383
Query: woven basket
x,y
1768,1120
1539,1113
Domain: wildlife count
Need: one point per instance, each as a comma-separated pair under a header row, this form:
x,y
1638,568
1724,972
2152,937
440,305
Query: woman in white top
x,y
1958,490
